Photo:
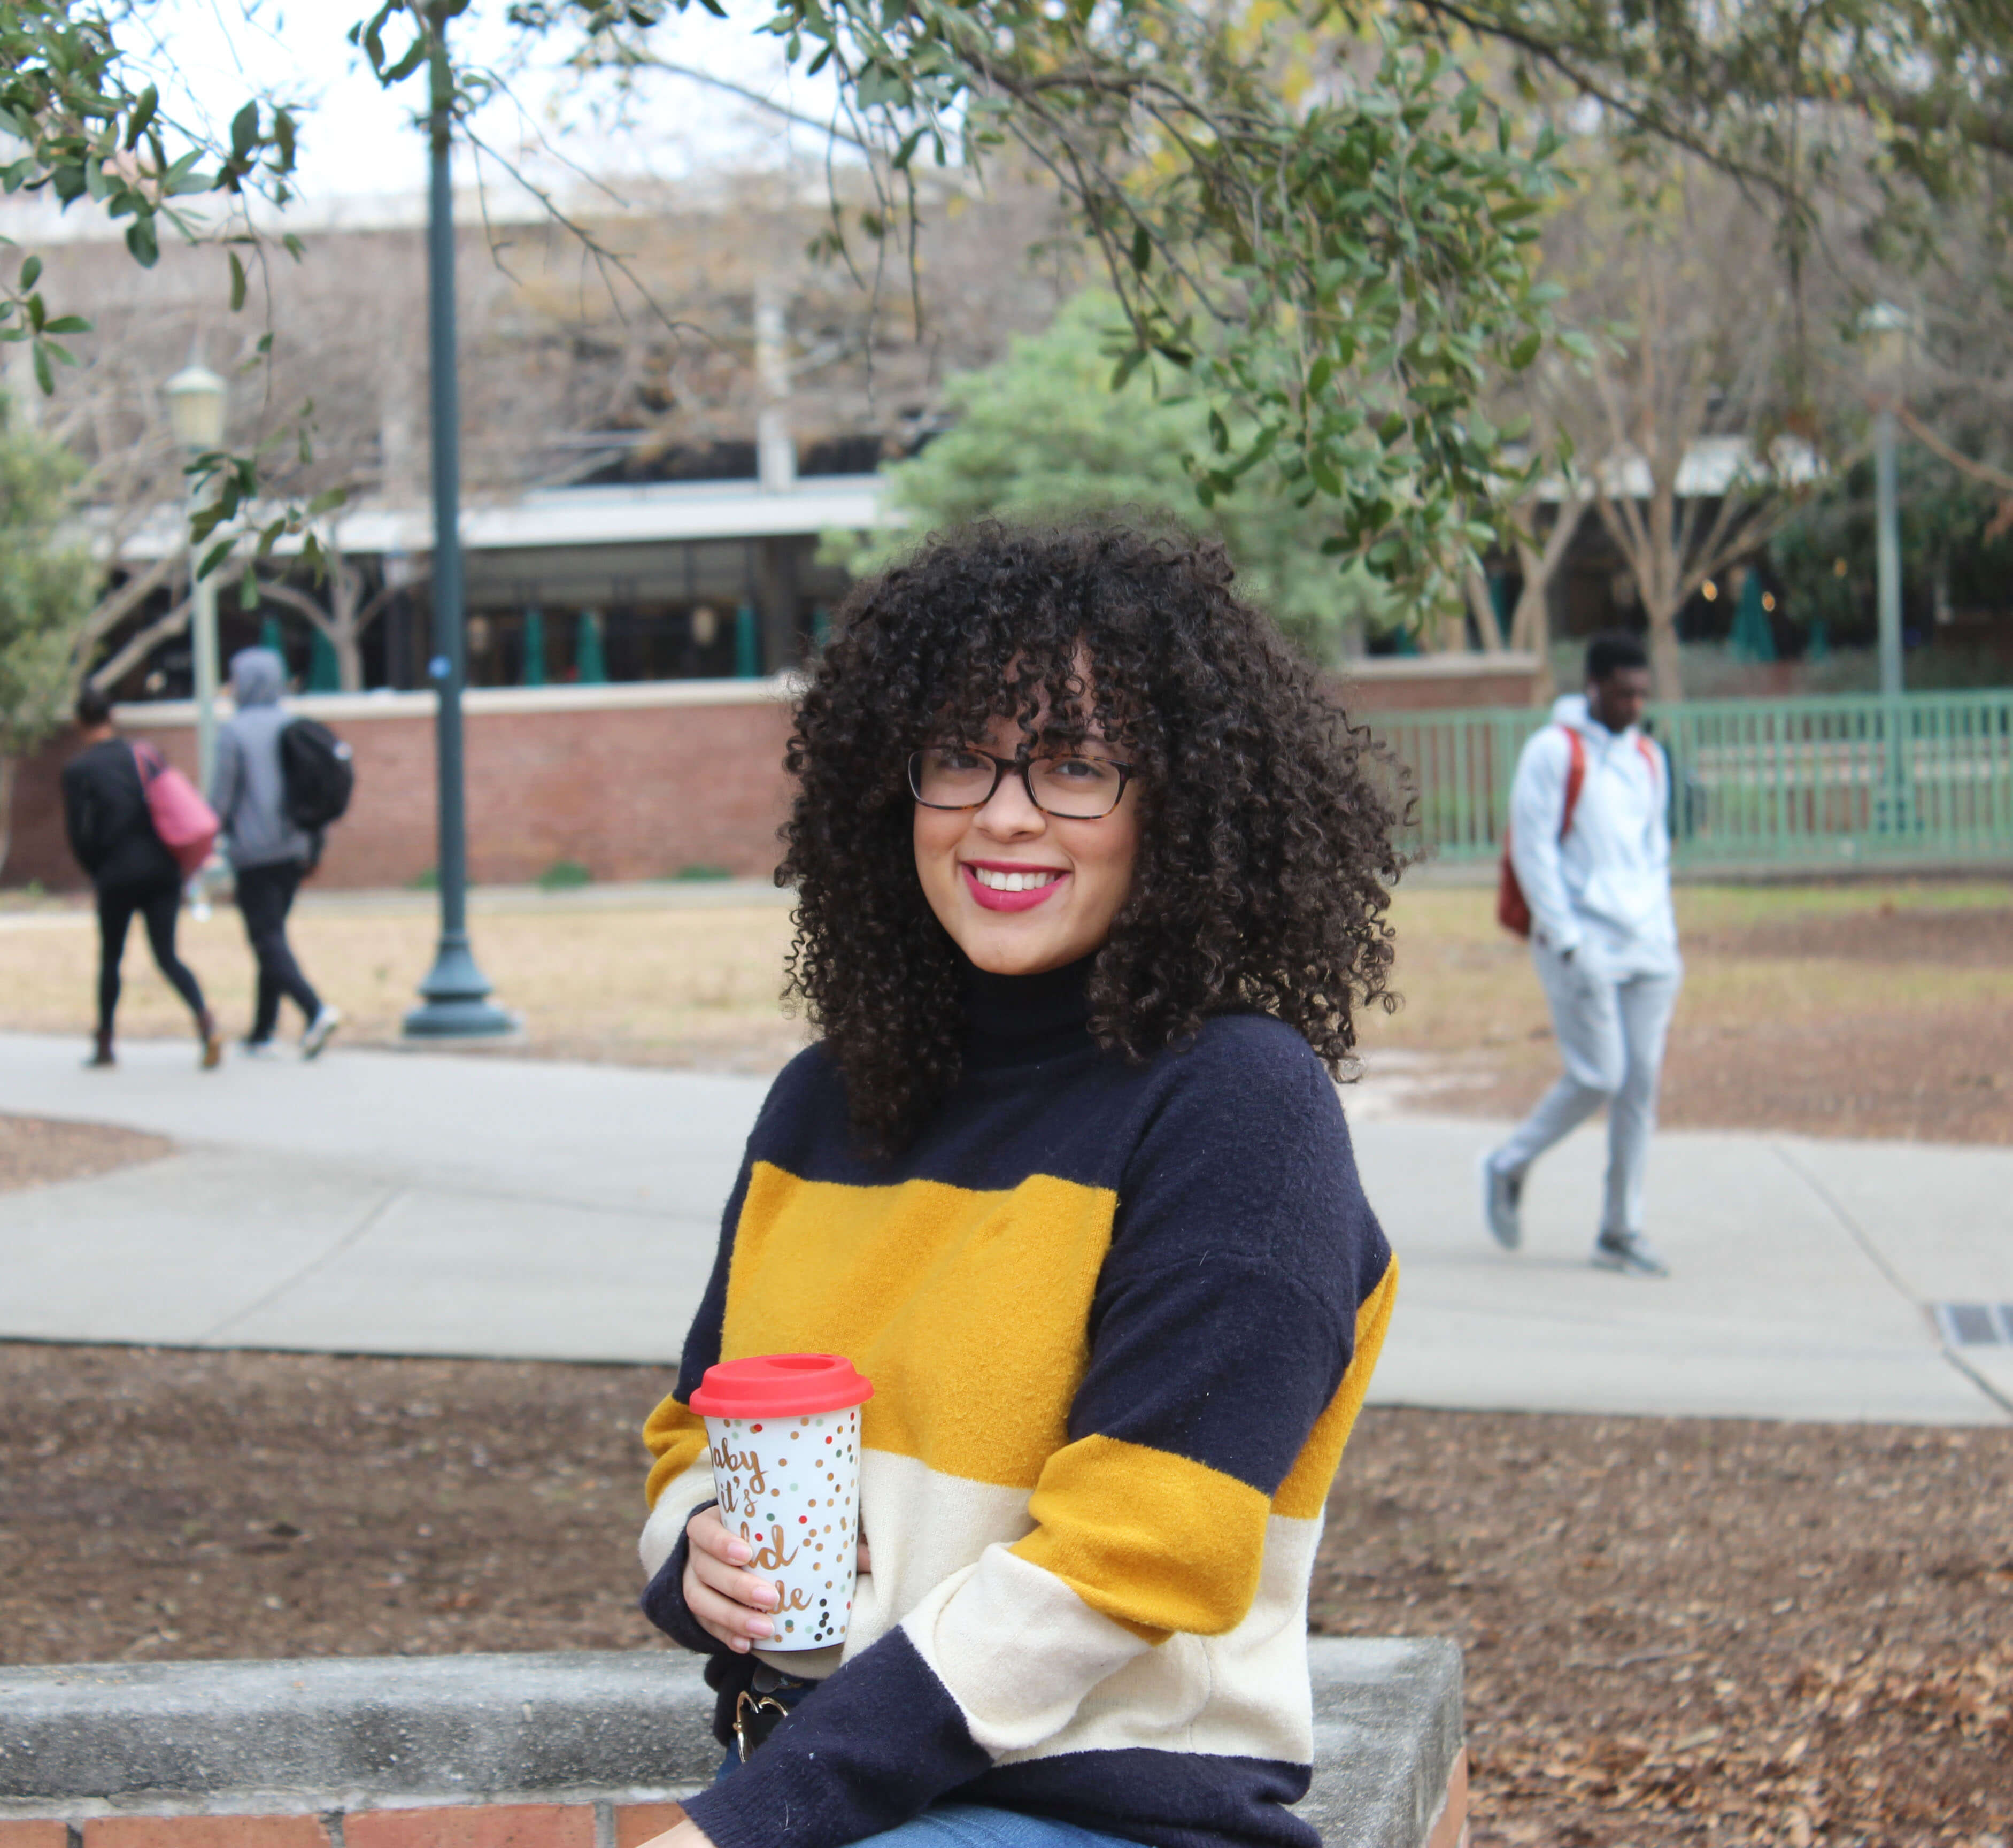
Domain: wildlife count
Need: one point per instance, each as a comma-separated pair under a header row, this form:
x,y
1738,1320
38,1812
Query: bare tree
x,y
1681,415
352,608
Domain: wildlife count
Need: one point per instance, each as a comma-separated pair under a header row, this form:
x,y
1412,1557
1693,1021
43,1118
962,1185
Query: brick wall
x,y
593,1824
632,782
1424,683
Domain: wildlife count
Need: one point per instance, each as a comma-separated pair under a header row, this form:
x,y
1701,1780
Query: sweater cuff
x,y
874,1746
664,1600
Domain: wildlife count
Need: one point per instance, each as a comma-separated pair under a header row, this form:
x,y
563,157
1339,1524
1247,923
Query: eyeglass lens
x,y
1073,788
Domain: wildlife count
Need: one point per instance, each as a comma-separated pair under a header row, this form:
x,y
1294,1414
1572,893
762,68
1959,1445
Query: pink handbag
x,y
186,824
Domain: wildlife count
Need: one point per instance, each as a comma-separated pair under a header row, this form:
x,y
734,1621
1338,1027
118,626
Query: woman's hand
x,y
731,1603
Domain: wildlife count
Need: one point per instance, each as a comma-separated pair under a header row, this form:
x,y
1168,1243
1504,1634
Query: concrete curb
x,y
354,1734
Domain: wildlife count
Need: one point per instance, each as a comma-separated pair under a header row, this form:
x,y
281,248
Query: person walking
x,y
112,834
1590,845
269,855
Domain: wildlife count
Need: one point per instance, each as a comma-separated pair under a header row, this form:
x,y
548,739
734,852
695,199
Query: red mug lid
x,y
780,1386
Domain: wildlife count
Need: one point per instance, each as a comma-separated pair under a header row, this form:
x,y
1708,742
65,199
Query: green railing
x,y
1756,784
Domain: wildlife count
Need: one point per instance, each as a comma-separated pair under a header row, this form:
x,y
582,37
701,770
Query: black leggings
x,y
159,905
265,896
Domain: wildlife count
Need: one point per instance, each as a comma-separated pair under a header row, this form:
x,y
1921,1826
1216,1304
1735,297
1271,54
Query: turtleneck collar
x,y
1018,1020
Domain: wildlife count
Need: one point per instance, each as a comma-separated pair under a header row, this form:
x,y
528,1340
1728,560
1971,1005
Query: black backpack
x,y
315,765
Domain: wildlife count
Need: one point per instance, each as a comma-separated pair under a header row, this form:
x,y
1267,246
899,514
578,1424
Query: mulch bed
x,y
34,1150
1676,1631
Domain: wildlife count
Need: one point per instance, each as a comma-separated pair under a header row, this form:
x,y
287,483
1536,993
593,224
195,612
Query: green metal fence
x,y
1756,784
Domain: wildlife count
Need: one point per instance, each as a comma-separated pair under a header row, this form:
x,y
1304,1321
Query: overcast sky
x,y
358,140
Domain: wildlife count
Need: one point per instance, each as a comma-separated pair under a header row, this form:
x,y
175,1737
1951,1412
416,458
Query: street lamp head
x,y
1888,334
195,407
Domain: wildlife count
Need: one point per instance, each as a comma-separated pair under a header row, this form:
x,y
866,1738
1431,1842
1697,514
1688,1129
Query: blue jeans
x,y
974,1825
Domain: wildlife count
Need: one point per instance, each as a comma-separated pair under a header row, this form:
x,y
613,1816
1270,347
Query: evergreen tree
x,y
1042,433
45,594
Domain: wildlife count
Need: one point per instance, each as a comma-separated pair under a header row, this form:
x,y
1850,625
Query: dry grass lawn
x,y
669,987
1863,1010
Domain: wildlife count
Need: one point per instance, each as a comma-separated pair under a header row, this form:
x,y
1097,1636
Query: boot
x,y
211,1036
102,1056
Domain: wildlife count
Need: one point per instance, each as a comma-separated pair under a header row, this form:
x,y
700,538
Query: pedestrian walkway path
x,y
424,1204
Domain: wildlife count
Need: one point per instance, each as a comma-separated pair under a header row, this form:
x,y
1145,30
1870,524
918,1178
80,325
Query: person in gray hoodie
x,y
269,855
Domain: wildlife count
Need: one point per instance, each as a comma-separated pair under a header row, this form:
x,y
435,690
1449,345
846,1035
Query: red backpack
x,y
1513,911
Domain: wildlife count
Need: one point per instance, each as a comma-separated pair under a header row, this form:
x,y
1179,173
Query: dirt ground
x,y
34,1150
1676,1632
1864,1010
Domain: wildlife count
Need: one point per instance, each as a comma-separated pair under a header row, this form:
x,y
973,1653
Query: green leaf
x,y
141,241
144,109
245,131
1525,350
31,273
237,282
45,373
215,556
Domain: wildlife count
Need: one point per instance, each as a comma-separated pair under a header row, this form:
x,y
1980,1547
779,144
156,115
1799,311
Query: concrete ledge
x,y
357,1735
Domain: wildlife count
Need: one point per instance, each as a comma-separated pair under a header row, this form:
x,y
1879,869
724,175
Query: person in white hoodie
x,y
1603,937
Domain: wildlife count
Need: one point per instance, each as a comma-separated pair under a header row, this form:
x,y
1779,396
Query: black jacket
x,y
111,833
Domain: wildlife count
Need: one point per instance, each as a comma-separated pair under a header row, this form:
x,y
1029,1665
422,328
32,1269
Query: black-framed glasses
x,y
1070,789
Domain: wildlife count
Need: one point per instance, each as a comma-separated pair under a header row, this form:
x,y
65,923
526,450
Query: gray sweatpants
x,y
1610,1033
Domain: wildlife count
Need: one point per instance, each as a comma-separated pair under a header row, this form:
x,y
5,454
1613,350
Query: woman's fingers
x,y
865,1560
707,1533
727,1603
722,1618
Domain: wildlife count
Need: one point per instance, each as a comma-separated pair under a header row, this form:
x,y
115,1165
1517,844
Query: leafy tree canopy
x,y
1333,244
1040,433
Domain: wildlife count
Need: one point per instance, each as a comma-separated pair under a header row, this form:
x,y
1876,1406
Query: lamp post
x,y
195,414
1888,330
457,1004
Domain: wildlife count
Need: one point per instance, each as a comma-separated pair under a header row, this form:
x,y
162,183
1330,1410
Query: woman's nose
x,y
1010,812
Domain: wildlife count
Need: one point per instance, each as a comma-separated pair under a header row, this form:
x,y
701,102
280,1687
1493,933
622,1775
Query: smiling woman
x,y
1090,885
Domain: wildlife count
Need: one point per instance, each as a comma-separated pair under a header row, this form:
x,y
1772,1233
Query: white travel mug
x,y
784,1433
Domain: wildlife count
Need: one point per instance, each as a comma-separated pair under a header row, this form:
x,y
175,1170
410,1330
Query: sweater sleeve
x,y
1537,805
1223,1329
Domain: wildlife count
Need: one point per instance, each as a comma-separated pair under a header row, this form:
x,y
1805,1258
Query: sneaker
x,y
319,1030
1502,1204
257,1049
1629,1252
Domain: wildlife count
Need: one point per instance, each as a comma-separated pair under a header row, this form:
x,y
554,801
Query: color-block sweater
x,y
1119,1319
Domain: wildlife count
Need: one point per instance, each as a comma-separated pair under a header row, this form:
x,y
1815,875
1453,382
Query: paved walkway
x,y
417,1204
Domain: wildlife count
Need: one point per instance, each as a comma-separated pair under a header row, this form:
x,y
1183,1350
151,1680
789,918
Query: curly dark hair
x,y
1266,841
